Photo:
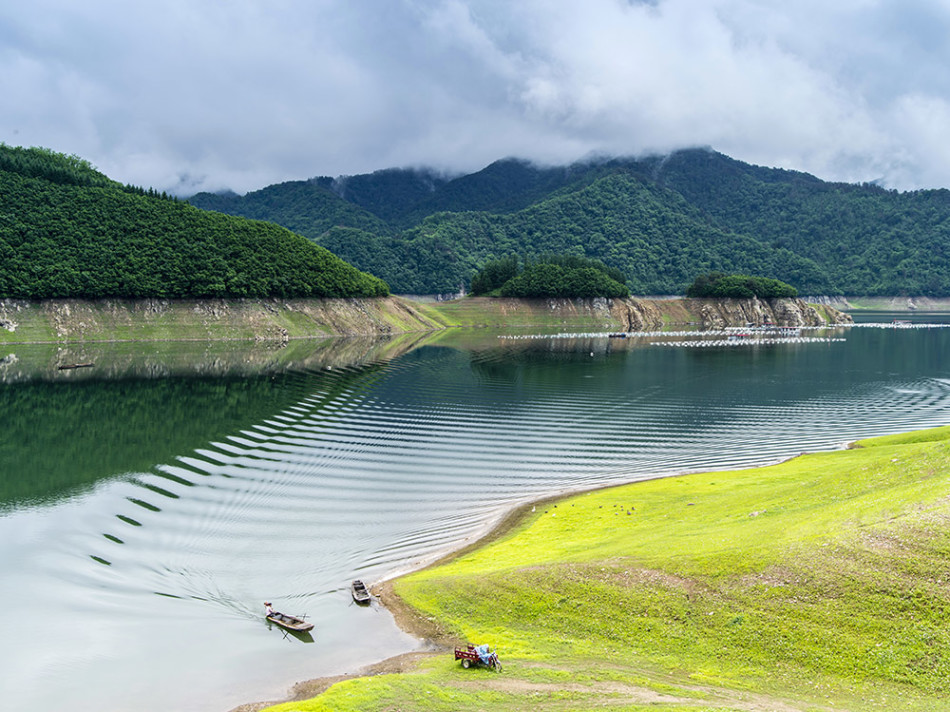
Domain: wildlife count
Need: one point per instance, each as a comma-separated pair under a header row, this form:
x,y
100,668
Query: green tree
x,y
739,286
494,274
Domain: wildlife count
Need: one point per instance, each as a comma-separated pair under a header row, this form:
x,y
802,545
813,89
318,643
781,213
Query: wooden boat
x,y
360,593
290,622
70,366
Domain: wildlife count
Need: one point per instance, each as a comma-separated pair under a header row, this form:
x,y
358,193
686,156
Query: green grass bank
x,y
820,583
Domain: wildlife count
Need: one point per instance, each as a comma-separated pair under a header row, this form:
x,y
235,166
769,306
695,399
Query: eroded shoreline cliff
x,y
637,313
77,321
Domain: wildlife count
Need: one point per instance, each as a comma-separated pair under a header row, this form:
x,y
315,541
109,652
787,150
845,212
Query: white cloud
x,y
212,94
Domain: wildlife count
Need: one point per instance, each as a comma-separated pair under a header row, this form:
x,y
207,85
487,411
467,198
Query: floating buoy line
x,y
707,343
729,333
897,325
730,336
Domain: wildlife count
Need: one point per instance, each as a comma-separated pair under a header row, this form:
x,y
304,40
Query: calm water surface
x,y
147,511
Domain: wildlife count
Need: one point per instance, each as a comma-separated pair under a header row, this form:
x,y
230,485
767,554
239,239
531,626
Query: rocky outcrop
x,y
639,314
625,314
720,313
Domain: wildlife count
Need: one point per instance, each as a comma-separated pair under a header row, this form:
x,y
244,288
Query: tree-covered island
x,y
559,276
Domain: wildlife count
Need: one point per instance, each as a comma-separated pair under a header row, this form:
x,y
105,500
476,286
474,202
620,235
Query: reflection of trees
x,y
509,362
506,358
56,437
492,370
27,362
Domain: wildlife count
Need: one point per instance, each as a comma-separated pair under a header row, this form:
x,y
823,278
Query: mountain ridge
x,y
661,219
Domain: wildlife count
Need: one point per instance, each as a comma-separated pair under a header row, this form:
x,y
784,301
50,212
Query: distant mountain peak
x,y
662,218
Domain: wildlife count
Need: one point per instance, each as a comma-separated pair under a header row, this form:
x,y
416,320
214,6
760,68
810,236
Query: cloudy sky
x,y
186,95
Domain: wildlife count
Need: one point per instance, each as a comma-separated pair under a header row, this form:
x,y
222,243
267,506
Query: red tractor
x,y
478,655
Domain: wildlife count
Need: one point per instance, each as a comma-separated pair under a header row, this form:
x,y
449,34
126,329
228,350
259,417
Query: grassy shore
x,y
820,583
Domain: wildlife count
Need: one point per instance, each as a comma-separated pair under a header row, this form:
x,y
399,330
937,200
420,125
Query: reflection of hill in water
x,y
27,362
143,404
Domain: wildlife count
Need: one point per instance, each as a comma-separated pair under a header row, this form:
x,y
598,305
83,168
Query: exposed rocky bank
x,y
79,321
717,313
638,313
272,319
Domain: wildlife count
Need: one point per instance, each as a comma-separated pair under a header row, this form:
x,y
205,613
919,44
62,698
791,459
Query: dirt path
x,y
610,693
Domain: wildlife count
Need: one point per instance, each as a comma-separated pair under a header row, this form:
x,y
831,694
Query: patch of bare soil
x,y
611,693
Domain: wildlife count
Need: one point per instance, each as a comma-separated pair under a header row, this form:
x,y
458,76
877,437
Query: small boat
x,y
70,366
360,593
290,622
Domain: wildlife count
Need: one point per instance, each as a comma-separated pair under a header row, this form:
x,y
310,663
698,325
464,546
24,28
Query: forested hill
x,y
66,230
660,220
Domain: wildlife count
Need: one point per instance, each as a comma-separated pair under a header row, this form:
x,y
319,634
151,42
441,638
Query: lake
x,y
151,503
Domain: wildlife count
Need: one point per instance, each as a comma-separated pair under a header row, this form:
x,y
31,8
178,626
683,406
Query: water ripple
x,y
382,467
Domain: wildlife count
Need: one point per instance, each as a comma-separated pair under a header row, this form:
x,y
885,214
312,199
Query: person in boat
x,y
270,612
